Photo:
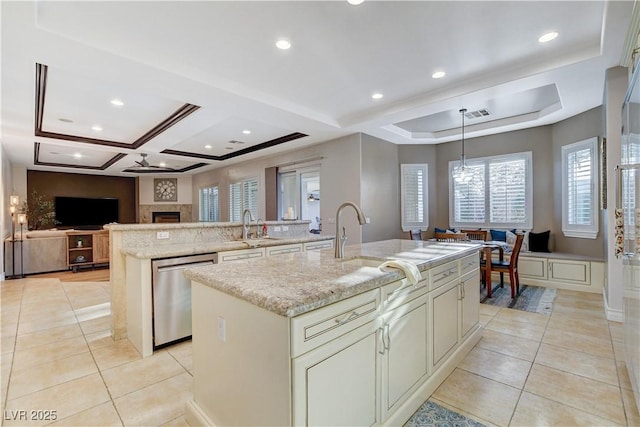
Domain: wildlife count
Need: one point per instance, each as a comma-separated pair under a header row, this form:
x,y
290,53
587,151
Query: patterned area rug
x,y
432,414
532,298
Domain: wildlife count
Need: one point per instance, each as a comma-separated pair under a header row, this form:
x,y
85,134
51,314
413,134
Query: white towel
x,y
410,270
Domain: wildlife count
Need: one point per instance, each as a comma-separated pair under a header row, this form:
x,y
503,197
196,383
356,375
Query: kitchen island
x,y
308,339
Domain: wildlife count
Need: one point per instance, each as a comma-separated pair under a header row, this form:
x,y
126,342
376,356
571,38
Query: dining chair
x,y
415,234
476,234
451,237
510,267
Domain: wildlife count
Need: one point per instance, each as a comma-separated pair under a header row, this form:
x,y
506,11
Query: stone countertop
x,y
183,249
293,284
190,225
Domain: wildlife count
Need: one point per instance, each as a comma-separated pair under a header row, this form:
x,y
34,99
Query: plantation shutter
x,y
235,202
469,198
250,196
507,191
579,184
209,205
580,204
414,203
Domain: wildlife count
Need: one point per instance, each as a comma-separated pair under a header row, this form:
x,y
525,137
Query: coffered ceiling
x,y
90,86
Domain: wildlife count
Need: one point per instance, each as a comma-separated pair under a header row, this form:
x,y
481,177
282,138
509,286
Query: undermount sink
x,y
253,243
363,262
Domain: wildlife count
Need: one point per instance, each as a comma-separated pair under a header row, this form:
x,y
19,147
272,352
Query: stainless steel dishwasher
x,y
171,294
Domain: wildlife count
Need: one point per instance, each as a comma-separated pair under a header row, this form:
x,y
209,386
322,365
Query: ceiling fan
x,y
143,166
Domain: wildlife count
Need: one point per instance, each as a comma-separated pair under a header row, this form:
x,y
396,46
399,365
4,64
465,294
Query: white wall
x,y
616,83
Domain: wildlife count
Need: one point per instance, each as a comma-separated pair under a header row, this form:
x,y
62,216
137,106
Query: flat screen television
x,y
85,212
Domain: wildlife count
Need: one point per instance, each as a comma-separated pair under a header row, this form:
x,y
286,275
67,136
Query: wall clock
x,y
165,189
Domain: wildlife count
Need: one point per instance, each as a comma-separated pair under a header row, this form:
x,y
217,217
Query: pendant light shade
x,y
462,173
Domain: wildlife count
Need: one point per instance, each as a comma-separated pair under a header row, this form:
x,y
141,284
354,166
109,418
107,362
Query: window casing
x,y
243,195
209,204
498,196
299,194
580,201
414,197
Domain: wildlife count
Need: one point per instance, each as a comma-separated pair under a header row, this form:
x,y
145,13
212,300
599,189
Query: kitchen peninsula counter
x,y
185,249
308,339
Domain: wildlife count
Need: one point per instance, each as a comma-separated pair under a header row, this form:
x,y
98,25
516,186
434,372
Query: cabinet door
x,y
240,254
335,385
403,347
444,320
534,268
571,271
283,249
470,302
101,247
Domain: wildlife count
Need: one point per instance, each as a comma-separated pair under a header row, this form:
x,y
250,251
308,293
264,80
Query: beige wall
x,y
380,192
545,143
339,180
537,140
575,129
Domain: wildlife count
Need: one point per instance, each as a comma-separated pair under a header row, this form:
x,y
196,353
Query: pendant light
x,y
462,173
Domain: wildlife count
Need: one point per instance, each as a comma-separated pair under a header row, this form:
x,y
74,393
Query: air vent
x,y
477,114
235,141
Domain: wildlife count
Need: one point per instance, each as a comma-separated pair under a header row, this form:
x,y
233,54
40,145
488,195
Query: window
x,y
243,195
579,189
414,200
498,196
209,206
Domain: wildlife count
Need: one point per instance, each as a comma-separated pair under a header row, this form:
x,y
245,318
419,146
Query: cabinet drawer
x,y
315,328
400,292
240,255
443,274
314,246
469,263
283,249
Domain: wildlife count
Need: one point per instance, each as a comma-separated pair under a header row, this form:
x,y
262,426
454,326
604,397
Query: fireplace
x,y
165,216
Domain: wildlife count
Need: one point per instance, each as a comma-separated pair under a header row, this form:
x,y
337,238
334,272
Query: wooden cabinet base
x,y
87,248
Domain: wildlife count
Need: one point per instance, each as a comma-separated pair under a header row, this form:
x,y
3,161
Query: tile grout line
x,y
113,403
13,353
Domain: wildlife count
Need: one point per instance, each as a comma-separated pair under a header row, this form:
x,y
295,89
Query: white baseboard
x,y
612,314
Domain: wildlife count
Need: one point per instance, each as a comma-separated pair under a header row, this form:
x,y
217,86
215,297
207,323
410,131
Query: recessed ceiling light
x,y
355,2
548,37
162,164
208,147
117,102
246,132
62,119
97,128
438,74
283,44
377,95
77,155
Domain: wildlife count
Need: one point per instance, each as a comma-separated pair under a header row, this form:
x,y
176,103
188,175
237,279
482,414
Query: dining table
x,y
485,253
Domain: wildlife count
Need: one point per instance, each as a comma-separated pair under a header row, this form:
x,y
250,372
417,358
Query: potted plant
x,y
40,211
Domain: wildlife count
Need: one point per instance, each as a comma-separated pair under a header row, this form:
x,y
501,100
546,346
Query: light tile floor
x,y
528,369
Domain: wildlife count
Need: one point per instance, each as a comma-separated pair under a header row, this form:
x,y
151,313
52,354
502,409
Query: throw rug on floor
x,y
535,299
431,414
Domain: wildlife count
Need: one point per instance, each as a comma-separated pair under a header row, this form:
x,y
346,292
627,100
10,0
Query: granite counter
x,y
294,284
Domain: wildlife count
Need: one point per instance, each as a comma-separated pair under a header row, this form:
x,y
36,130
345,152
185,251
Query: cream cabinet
x,y
572,271
321,244
335,385
240,254
402,349
534,268
470,309
444,310
283,249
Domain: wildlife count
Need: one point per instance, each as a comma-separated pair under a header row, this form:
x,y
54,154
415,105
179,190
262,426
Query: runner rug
x,y
535,299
